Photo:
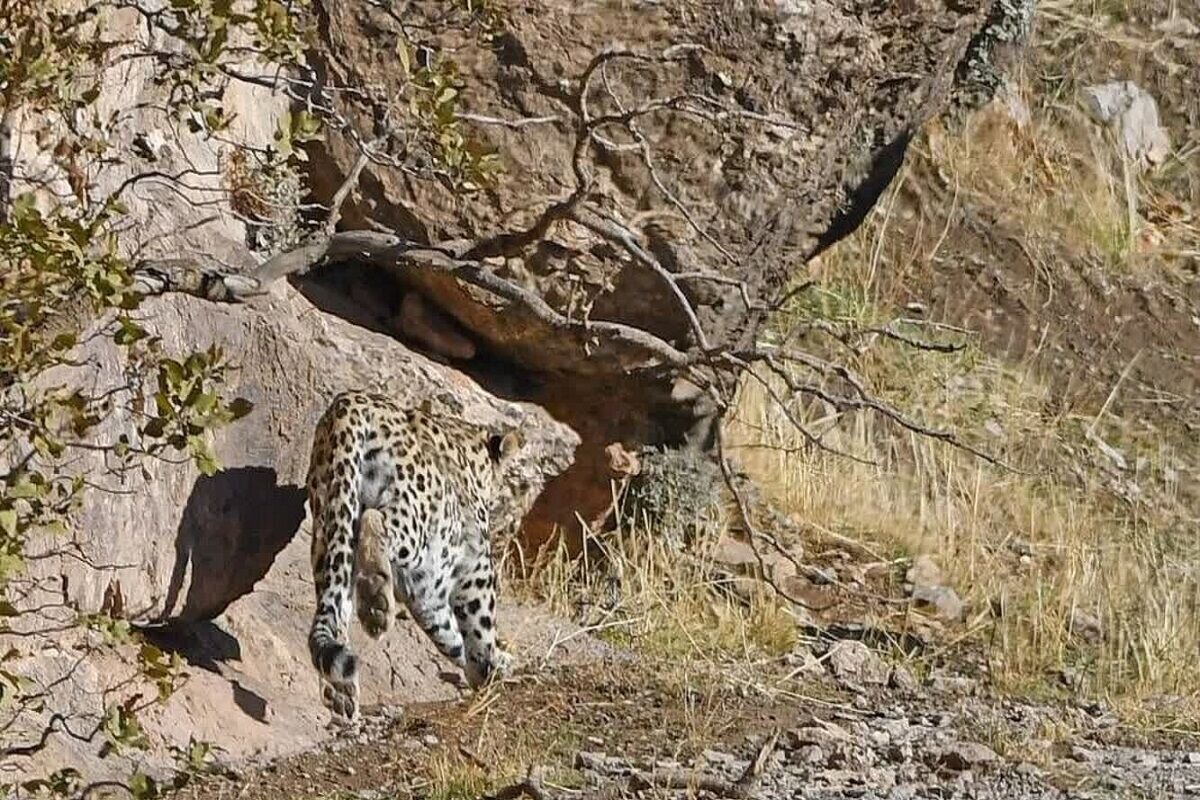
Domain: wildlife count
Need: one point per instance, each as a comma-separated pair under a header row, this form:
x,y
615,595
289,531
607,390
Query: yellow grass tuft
x,y
1132,565
633,589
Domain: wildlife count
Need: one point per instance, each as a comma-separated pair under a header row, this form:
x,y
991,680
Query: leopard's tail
x,y
333,546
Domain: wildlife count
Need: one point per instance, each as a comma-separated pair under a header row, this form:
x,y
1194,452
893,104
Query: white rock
x,y
1133,113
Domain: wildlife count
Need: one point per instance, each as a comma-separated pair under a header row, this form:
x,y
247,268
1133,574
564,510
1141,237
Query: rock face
x,y
819,100
178,546
222,561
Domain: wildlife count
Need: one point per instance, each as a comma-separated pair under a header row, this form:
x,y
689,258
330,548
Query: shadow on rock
x,y
205,645
201,644
234,525
252,703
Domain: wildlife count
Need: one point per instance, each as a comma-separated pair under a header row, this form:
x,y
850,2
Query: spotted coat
x,y
401,502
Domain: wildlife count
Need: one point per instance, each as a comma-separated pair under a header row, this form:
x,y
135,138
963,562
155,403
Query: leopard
x,y
401,501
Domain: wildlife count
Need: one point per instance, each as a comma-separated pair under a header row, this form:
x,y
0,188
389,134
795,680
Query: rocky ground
x,y
841,725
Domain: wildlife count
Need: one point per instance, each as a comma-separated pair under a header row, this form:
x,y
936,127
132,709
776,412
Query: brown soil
x,y
538,719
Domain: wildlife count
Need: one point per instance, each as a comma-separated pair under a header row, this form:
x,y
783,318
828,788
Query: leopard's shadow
x,y
234,525
207,646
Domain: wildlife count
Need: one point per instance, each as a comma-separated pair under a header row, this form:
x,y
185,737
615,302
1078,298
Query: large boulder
x,y
782,122
170,544
216,568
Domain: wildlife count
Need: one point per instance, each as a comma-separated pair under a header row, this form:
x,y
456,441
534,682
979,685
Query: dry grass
x,y
703,643
1044,168
456,778
1124,566
1036,551
1125,556
633,589
498,754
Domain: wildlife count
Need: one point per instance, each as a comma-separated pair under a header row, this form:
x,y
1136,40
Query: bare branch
x,y
864,399
343,191
515,124
606,226
632,347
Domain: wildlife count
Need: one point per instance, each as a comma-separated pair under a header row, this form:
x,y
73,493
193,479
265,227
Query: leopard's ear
x,y
502,446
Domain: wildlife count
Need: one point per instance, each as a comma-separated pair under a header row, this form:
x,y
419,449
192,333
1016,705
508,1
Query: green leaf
x,y
128,332
23,209
142,786
171,371
202,403
162,403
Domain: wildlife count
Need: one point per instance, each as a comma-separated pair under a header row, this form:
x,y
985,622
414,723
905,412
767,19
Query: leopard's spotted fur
x,y
401,503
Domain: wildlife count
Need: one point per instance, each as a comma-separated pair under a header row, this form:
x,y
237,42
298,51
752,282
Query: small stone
x,y
1192,758
804,662
854,662
1087,626
810,754
734,553
840,777
596,762
595,741
881,778
924,571
822,576
1020,546
1084,755
717,757
429,740
1177,27
952,684
963,756
828,735
897,729
943,600
1069,677
901,679
1133,113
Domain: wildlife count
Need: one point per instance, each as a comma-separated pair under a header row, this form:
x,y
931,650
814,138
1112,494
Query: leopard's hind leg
x,y
474,602
373,583
426,587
